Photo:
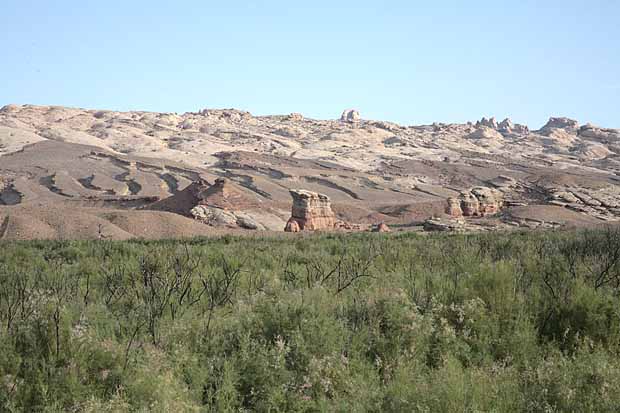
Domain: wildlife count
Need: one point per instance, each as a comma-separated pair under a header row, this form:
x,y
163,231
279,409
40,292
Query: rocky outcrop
x,y
454,207
603,135
562,123
222,204
484,132
311,211
568,125
380,227
350,115
186,125
224,194
602,203
490,201
296,117
520,129
440,225
489,123
9,108
505,127
504,183
218,217
388,126
469,204
231,115
213,216
477,202
292,225
589,151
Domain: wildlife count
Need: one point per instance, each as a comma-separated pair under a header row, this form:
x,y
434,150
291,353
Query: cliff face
x,y
311,211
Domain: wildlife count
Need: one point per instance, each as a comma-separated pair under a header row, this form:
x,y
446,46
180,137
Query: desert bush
x,y
355,323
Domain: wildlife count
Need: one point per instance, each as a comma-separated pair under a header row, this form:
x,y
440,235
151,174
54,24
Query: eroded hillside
x,y
78,173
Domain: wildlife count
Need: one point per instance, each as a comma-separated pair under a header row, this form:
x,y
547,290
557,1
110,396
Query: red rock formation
x,y
454,208
292,225
490,201
311,211
222,194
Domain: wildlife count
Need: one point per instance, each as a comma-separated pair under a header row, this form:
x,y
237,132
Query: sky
x,y
411,62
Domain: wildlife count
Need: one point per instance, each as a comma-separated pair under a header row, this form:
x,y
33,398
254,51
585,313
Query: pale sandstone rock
x,y
347,226
484,132
600,134
394,141
592,151
247,221
296,117
478,201
186,124
218,217
469,204
10,108
439,225
214,216
520,129
350,115
489,123
230,115
389,126
506,125
569,125
558,137
564,123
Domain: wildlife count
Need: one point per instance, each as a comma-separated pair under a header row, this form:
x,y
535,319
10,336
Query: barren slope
x,y
71,172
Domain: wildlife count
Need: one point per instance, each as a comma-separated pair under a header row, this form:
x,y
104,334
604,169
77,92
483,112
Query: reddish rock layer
x,y
311,211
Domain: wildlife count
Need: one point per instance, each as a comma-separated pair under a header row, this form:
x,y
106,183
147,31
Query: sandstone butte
x,y
311,211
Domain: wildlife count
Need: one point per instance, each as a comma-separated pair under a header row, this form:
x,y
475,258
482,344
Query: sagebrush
x,y
353,323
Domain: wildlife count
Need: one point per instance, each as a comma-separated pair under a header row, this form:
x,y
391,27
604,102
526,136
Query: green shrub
x,y
497,322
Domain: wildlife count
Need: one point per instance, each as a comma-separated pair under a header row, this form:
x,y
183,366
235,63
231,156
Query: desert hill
x,y
76,173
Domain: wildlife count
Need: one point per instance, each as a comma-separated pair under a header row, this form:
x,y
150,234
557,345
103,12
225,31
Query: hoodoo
x,y
311,211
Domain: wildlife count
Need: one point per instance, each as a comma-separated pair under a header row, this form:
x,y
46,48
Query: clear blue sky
x,y
408,61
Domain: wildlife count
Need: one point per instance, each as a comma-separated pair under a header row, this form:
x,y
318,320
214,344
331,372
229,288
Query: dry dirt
x,y
74,173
